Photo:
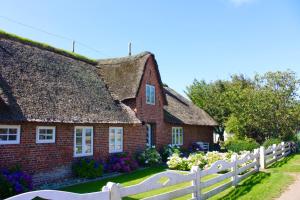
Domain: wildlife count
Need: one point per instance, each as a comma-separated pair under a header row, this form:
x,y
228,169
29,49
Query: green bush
x,y
87,168
178,163
149,157
271,141
237,145
197,159
168,151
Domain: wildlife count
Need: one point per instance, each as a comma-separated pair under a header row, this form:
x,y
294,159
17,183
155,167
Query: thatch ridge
x,y
45,46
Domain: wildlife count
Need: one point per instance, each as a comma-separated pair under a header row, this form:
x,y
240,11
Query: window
x,y
83,141
150,94
177,135
115,139
45,134
9,134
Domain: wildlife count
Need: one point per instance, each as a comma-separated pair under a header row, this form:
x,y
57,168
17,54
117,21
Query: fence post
x,y
262,160
274,151
196,182
234,168
114,191
256,154
282,148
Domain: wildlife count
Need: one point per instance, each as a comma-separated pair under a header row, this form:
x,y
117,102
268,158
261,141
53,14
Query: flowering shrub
x,y
87,168
121,162
197,159
178,163
168,151
14,182
149,157
214,156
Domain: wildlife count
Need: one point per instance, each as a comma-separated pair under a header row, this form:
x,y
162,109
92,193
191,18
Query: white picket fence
x,y
231,173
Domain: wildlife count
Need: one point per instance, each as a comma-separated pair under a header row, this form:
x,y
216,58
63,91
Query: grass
x,y
47,47
263,185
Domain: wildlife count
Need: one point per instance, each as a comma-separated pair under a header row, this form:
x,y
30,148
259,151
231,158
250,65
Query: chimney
x,y
129,48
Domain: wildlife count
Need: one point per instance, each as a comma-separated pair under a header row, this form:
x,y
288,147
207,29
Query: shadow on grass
x,y
95,186
281,162
246,185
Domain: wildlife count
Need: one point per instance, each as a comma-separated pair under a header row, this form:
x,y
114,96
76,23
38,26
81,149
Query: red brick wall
x,y
36,158
191,134
150,113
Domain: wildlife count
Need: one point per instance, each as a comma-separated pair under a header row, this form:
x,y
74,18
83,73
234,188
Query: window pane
x,y
79,131
112,138
49,131
12,137
79,141
173,138
112,131
42,131
88,132
42,137
3,137
88,139
118,148
49,137
78,149
112,147
180,138
147,93
118,137
152,94
13,131
88,149
3,130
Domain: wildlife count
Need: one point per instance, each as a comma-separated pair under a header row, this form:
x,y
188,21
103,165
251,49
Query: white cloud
x,y
240,2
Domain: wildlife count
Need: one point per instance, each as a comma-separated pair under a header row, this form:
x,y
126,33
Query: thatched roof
x,y
182,111
37,84
124,75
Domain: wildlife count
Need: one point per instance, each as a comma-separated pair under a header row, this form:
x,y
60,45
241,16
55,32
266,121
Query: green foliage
x,y
271,141
237,145
197,159
169,150
87,168
266,106
178,163
149,157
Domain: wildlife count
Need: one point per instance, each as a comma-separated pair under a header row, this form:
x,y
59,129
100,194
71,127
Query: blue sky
x,y
203,39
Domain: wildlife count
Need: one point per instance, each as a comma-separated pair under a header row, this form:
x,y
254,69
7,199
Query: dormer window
x,y
150,94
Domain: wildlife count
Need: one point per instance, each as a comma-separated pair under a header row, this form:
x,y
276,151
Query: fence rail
x,y
235,170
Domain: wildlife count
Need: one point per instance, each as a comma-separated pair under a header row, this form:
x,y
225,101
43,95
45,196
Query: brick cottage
x,y
56,107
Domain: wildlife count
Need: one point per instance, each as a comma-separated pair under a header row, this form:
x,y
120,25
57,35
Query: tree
x,y
214,98
264,107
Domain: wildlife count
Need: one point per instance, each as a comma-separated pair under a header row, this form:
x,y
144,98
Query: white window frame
x,y
151,87
17,141
177,136
39,141
83,141
115,142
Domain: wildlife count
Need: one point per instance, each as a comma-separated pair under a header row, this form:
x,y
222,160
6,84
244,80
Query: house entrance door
x,y
149,139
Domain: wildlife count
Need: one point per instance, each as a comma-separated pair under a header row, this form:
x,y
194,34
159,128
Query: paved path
x,y
293,191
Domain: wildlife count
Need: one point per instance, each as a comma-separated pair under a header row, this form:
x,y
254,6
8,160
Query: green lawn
x,y
263,185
